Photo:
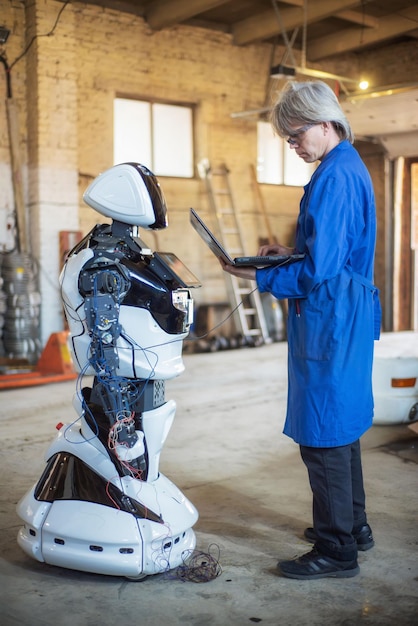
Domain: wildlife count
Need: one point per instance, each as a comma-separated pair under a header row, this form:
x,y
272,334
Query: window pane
x,y
173,140
132,132
277,164
296,171
269,155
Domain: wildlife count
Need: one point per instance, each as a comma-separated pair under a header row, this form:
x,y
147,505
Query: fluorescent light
x,y
282,71
285,71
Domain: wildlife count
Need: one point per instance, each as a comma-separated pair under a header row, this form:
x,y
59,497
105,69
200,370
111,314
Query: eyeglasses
x,y
293,138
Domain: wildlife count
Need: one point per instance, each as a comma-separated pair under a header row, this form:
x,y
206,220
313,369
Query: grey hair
x,y
306,103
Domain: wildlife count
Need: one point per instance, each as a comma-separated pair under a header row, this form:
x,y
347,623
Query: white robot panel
x,y
129,193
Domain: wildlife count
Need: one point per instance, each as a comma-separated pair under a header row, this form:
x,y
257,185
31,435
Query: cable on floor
x,y
200,567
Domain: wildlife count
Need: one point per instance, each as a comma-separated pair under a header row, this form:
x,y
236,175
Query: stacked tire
x,y
21,326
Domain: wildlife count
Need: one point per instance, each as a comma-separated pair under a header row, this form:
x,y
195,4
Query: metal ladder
x,y
243,295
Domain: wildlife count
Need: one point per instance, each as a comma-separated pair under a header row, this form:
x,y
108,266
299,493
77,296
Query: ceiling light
x,y
282,71
363,84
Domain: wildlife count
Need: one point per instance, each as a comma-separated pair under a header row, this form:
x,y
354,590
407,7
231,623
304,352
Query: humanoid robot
x,y
101,504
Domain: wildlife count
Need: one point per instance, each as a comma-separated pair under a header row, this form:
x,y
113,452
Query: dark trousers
x,y
336,479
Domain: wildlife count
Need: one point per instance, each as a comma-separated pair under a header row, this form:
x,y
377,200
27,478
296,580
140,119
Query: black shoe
x,y
363,537
316,565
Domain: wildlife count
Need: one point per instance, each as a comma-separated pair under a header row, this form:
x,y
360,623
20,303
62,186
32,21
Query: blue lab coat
x,y
334,311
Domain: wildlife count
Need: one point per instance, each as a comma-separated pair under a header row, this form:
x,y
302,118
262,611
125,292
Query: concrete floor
x,y
227,453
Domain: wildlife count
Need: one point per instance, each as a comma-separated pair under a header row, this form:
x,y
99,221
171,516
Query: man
x,y
333,319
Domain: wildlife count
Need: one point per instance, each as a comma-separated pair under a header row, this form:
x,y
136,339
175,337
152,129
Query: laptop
x,y
243,261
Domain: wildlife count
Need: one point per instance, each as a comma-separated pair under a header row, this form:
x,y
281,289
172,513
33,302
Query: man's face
x,y
309,142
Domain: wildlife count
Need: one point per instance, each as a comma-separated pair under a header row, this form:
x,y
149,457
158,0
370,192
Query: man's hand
x,y
239,272
274,248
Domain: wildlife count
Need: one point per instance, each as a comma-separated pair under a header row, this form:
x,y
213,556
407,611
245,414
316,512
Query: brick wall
x,y
12,16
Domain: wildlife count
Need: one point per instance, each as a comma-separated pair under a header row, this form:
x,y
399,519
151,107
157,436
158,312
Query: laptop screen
x,y
209,238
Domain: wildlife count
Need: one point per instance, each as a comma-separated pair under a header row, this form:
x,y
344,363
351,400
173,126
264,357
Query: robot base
x,y
90,537
96,521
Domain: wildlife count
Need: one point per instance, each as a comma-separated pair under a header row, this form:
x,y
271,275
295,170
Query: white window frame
x,y
157,135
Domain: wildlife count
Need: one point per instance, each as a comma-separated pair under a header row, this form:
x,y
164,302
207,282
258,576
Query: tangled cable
x,y
200,567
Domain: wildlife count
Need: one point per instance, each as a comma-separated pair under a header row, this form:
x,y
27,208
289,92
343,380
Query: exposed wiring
x,y
51,32
199,337
147,352
8,79
230,314
124,420
200,567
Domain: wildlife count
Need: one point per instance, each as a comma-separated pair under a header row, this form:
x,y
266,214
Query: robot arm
x,y
104,287
105,283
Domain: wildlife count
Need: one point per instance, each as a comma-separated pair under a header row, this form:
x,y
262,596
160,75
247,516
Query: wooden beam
x,y
163,14
266,24
355,38
293,3
355,17
124,6
358,18
413,33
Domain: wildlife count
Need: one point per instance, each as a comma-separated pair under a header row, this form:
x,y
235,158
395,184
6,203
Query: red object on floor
x,y
55,365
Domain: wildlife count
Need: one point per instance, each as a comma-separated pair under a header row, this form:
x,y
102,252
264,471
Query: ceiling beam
x,y
163,13
358,18
124,6
266,24
355,38
294,3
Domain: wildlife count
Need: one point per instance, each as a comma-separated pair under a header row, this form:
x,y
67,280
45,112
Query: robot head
x,y
129,193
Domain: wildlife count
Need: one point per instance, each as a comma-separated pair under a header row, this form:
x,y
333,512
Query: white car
x,y
395,378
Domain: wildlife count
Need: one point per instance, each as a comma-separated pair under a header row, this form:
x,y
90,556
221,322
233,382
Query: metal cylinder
x,y
21,316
